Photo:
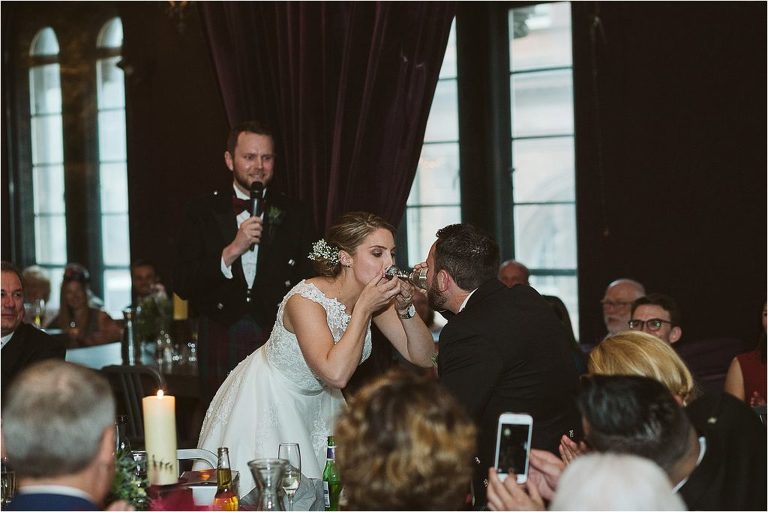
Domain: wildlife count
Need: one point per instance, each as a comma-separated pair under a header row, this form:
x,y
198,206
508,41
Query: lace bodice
x,y
282,349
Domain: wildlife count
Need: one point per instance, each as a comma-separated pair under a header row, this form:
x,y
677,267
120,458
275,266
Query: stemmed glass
x,y
292,476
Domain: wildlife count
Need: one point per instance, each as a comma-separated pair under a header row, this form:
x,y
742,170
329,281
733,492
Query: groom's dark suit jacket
x,y
508,352
27,345
210,225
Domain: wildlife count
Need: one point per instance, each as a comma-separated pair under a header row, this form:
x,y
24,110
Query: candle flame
x,y
160,393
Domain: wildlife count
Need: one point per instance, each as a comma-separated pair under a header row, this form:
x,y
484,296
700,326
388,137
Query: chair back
x,y
708,359
130,384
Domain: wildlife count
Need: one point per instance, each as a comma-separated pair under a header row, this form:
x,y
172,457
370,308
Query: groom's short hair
x,y
468,254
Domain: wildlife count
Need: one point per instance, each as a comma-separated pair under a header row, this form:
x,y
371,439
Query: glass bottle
x,y
331,478
122,445
130,348
226,497
417,278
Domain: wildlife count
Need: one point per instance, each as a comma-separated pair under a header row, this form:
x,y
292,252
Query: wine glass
x,y
292,476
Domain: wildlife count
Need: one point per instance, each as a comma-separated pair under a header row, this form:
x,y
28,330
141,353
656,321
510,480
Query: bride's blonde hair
x,y
346,235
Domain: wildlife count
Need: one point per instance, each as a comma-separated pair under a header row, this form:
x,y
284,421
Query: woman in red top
x,y
746,378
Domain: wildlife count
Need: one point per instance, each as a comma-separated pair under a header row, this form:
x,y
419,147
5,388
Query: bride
x,y
289,390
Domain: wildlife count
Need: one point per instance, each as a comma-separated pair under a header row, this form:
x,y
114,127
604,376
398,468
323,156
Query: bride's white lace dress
x,y
272,397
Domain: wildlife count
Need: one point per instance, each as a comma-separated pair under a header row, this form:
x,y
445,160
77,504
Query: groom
x,y
235,267
502,350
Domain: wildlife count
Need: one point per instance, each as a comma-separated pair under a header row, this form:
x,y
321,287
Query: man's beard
x,y
435,297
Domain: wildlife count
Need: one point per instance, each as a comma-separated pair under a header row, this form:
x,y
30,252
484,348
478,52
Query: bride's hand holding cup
x,y
378,293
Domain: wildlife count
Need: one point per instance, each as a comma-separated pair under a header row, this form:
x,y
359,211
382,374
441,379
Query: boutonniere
x,y
275,216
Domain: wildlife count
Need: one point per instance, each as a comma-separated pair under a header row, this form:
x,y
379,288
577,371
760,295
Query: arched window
x,y
113,174
49,208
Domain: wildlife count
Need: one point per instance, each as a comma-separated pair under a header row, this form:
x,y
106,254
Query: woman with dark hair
x,y
746,377
289,390
80,317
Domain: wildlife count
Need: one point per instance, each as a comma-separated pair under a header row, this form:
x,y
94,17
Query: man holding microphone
x,y
238,253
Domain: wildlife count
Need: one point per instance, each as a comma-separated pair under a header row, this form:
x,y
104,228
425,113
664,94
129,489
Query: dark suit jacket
x,y
209,226
507,352
42,501
732,474
28,345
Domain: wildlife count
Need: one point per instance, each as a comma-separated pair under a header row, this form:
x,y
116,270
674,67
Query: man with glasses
x,y
617,303
657,314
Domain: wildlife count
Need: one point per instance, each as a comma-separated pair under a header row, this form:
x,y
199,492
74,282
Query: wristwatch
x,y
408,313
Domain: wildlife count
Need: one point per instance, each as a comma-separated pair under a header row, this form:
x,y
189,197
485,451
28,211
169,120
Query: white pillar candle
x,y
160,438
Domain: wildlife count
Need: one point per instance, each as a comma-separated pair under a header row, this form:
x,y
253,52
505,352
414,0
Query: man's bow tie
x,y
238,205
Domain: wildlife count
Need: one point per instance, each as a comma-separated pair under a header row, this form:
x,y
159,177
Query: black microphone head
x,y
257,189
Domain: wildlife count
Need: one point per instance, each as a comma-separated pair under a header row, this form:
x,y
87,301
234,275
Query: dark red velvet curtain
x,y
347,86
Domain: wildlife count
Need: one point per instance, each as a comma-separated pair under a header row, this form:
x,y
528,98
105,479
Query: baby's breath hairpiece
x,y
322,251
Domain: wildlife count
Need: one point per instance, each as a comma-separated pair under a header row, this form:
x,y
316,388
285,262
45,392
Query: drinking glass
x,y
7,483
292,476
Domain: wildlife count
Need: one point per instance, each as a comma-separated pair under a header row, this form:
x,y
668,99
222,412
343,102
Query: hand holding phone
x,y
513,445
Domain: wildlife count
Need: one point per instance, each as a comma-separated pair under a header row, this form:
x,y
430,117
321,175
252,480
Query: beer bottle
x,y
331,479
226,497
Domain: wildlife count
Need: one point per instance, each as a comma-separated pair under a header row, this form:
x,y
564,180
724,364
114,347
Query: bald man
x,y
617,303
513,272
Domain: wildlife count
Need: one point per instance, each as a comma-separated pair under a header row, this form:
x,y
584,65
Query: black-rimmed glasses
x,y
654,324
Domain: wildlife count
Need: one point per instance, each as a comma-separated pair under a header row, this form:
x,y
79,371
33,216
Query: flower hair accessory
x,y
322,251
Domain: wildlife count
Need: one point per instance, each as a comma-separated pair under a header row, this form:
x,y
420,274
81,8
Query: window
x,y
49,208
542,145
113,170
76,195
435,199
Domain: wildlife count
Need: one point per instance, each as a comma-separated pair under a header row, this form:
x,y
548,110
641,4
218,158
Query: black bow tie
x,y
238,205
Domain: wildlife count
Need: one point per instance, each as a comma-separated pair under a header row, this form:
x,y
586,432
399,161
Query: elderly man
x,y
22,344
513,272
659,315
59,436
617,303
502,350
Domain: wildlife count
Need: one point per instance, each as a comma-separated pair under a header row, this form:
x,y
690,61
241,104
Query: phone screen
x,y
513,448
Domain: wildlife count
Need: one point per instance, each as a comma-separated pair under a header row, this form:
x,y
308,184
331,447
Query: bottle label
x,y
326,495
331,452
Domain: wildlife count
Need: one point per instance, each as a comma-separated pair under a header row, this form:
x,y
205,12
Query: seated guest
x,y
145,281
617,302
657,314
599,481
513,272
716,459
22,344
638,353
37,294
59,436
83,323
573,346
746,377
404,444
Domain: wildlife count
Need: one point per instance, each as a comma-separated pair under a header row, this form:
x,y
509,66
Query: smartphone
x,y
513,445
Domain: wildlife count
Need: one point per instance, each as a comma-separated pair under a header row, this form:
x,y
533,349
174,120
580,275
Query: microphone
x,y
257,195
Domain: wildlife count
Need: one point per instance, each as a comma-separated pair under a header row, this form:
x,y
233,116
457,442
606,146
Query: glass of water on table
x,y
292,475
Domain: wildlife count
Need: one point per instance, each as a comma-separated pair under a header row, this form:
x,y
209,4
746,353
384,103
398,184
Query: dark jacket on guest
x,y
49,501
27,345
732,474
